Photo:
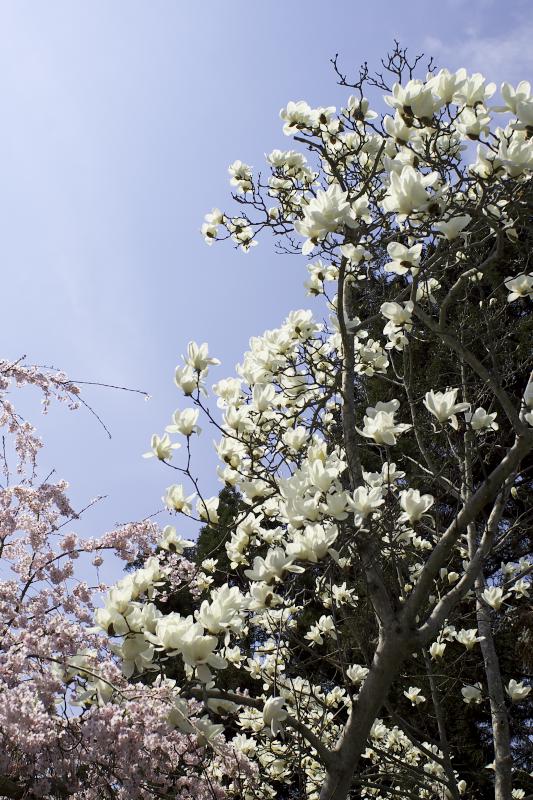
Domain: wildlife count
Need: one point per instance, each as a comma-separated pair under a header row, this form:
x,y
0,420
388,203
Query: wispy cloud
x,y
501,57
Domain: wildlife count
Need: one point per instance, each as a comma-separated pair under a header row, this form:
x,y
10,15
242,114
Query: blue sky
x,y
119,120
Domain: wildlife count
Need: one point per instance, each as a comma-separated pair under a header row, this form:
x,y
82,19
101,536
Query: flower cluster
x,y
70,721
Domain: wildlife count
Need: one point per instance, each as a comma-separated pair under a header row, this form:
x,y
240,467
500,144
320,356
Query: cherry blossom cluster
x,y
70,722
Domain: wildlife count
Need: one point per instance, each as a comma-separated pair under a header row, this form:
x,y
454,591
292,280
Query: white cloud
x,y
504,57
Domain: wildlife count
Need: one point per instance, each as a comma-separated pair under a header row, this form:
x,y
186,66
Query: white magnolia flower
x,y
222,613
342,595
297,116
521,286
144,617
452,227
135,653
397,129
364,502
494,597
314,636
361,209
521,588
274,713
517,691
173,542
272,567
414,505
524,112
447,84
261,595
326,626
527,411
472,123
142,579
404,259
396,336
198,357
472,694
425,289
335,505
354,253
437,649
228,391
356,673
481,420
326,213
112,621
263,396
198,653
162,448
301,324
474,90
206,731
175,499
379,423
289,161
515,152
371,357
359,109
210,226
244,744
241,177
207,509
387,477
295,438
511,96
186,379
468,638
203,581
415,99
170,631
443,406
413,694
407,192
184,422
486,163
321,476
398,314
319,273
313,544
241,232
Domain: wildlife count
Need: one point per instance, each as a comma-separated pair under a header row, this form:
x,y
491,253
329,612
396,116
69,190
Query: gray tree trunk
x,y
388,659
503,783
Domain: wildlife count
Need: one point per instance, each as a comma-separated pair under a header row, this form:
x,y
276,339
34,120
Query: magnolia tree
x,y
381,460
71,724
378,544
